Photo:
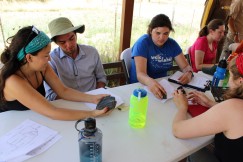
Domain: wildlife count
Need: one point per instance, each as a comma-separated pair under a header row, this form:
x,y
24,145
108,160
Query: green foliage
x,y
102,21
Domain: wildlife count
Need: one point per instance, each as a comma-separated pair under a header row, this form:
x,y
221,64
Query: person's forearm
x,y
68,114
180,116
74,95
204,66
144,78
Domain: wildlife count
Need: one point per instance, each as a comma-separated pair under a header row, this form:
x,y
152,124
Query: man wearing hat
x,y
77,65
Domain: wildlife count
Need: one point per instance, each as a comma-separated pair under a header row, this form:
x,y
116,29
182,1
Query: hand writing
x,y
158,91
185,78
199,98
180,99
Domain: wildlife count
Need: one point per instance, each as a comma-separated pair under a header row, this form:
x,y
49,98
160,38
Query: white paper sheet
x,y
92,106
25,141
197,81
168,88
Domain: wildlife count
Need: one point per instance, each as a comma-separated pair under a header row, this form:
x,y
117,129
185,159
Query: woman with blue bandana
x,y
21,79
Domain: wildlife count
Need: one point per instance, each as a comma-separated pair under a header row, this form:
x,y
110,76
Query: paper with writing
x,y
26,140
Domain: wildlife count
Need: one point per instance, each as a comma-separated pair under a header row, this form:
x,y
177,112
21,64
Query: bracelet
x,y
236,33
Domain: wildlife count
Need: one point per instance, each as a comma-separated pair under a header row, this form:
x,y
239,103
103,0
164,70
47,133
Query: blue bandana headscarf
x,y
39,42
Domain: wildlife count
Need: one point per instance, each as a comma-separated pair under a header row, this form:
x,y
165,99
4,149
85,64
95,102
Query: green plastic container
x,y
138,108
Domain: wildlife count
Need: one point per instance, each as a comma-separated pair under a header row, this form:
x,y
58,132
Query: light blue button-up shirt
x,y
81,73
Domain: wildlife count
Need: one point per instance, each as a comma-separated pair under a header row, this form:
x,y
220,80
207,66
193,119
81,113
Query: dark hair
x,y
9,56
160,20
213,25
54,39
236,92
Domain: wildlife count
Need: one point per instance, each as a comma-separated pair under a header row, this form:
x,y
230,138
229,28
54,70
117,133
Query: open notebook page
x,y
197,81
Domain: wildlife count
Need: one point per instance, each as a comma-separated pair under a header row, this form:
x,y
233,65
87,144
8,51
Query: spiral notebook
x,y
198,82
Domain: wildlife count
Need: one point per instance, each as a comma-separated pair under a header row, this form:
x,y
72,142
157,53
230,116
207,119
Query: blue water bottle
x,y
220,72
90,141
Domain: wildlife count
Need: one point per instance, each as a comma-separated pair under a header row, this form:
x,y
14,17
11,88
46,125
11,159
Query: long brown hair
x,y
9,56
213,25
236,92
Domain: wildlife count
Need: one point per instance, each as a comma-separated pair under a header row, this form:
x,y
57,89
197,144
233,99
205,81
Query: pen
x,y
164,96
182,89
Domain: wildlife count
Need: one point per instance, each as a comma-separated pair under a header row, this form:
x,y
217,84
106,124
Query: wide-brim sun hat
x,y
63,25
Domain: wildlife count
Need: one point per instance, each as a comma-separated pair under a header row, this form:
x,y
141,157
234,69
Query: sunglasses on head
x,y
35,31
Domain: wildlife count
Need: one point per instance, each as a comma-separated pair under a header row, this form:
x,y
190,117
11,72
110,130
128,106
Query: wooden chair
x,y
116,73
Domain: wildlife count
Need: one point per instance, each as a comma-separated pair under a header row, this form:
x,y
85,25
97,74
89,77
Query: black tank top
x,y
228,150
16,105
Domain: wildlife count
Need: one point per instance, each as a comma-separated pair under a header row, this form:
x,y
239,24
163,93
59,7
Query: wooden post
x,y
126,24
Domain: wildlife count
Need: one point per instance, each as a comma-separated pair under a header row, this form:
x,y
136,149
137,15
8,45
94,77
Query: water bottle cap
x,y
142,92
90,123
90,126
223,63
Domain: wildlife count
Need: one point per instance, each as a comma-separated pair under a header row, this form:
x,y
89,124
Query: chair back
x,y
126,56
116,73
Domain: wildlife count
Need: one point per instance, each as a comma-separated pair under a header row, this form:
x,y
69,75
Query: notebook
x,y
195,110
198,82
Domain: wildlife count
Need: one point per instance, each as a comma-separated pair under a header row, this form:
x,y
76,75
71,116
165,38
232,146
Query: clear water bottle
x,y
219,74
138,108
90,141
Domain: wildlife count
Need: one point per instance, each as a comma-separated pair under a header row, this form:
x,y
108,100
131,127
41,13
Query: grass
x,y
102,19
